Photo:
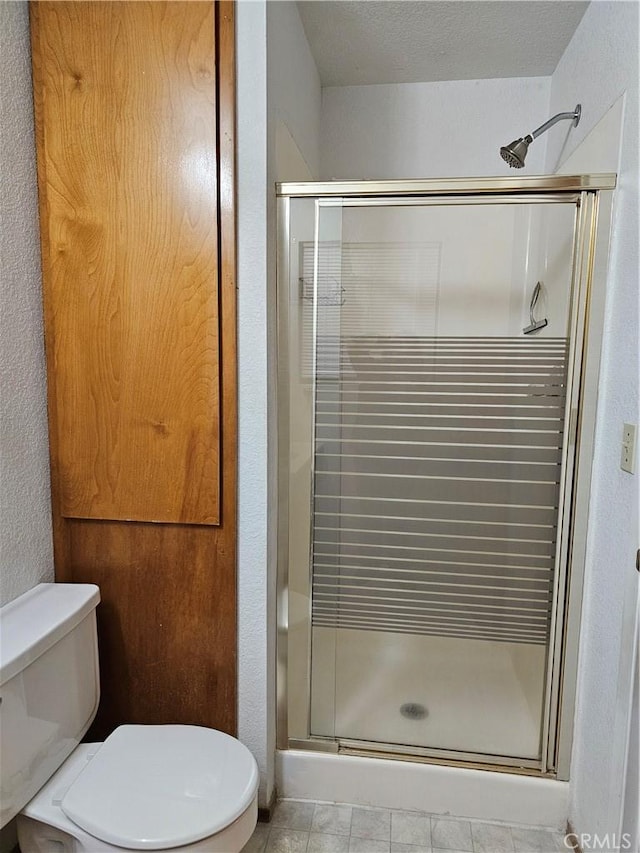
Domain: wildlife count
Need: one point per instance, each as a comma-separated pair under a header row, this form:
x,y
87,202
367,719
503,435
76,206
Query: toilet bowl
x,y
166,787
147,788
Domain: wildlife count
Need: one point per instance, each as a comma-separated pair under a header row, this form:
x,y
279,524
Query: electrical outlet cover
x,y
628,454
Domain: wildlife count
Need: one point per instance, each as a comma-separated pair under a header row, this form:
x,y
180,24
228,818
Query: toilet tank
x,y
49,685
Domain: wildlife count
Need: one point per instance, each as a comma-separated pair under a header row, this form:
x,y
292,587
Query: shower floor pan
x,y
443,693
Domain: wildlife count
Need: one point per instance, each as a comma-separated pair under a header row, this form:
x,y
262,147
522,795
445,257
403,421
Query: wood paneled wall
x,y
134,108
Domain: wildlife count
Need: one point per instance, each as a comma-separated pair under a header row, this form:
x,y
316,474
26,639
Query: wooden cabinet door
x,y
127,94
134,106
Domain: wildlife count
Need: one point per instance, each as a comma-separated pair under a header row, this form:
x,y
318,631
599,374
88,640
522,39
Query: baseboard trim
x,y
571,834
266,813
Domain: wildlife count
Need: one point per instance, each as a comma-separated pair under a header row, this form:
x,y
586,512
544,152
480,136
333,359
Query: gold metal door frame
x,y
590,230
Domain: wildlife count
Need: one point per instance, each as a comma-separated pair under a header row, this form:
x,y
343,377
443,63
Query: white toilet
x,y
182,788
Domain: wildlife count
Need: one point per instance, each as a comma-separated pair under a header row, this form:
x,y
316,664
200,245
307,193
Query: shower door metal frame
x,y
593,199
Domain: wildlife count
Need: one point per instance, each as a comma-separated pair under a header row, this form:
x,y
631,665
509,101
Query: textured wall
x,y
429,130
294,92
278,97
26,556
599,67
255,691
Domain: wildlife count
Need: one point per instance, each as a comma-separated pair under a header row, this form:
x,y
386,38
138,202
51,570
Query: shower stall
x,y
434,371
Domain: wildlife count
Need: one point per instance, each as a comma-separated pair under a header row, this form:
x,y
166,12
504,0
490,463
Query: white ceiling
x,y
386,41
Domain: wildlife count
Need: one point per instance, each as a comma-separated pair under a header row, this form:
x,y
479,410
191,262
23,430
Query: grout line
x,y
434,815
557,834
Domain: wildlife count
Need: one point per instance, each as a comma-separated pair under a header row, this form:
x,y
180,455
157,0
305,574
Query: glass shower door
x,y
437,440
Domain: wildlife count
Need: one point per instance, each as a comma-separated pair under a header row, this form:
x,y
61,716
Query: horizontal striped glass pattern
x,y
352,292
437,469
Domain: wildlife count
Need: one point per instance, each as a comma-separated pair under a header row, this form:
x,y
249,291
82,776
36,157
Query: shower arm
x,y
574,116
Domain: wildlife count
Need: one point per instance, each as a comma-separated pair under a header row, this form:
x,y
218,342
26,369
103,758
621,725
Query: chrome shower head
x,y
516,151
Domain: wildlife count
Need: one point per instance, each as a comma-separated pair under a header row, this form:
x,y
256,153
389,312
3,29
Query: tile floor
x,y
304,827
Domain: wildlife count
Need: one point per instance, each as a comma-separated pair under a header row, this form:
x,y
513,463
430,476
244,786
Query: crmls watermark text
x,y
587,841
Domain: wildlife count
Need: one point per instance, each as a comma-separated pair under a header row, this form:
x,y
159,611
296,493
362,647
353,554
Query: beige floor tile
x,y
411,828
491,838
371,823
283,840
334,820
451,834
293,815
536,840
368,845
320,842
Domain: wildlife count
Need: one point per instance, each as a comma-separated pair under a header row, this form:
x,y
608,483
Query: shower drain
x,y
413,711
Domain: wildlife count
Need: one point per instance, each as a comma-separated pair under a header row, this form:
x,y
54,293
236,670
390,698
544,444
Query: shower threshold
x,y
425,755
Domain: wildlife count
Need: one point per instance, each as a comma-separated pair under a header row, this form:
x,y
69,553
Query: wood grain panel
x,y
128,108
167,624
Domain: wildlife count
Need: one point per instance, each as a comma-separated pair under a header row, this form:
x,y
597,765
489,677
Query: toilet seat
x,y
157,787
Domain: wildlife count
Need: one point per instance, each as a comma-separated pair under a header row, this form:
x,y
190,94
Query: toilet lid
x,y
154,787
